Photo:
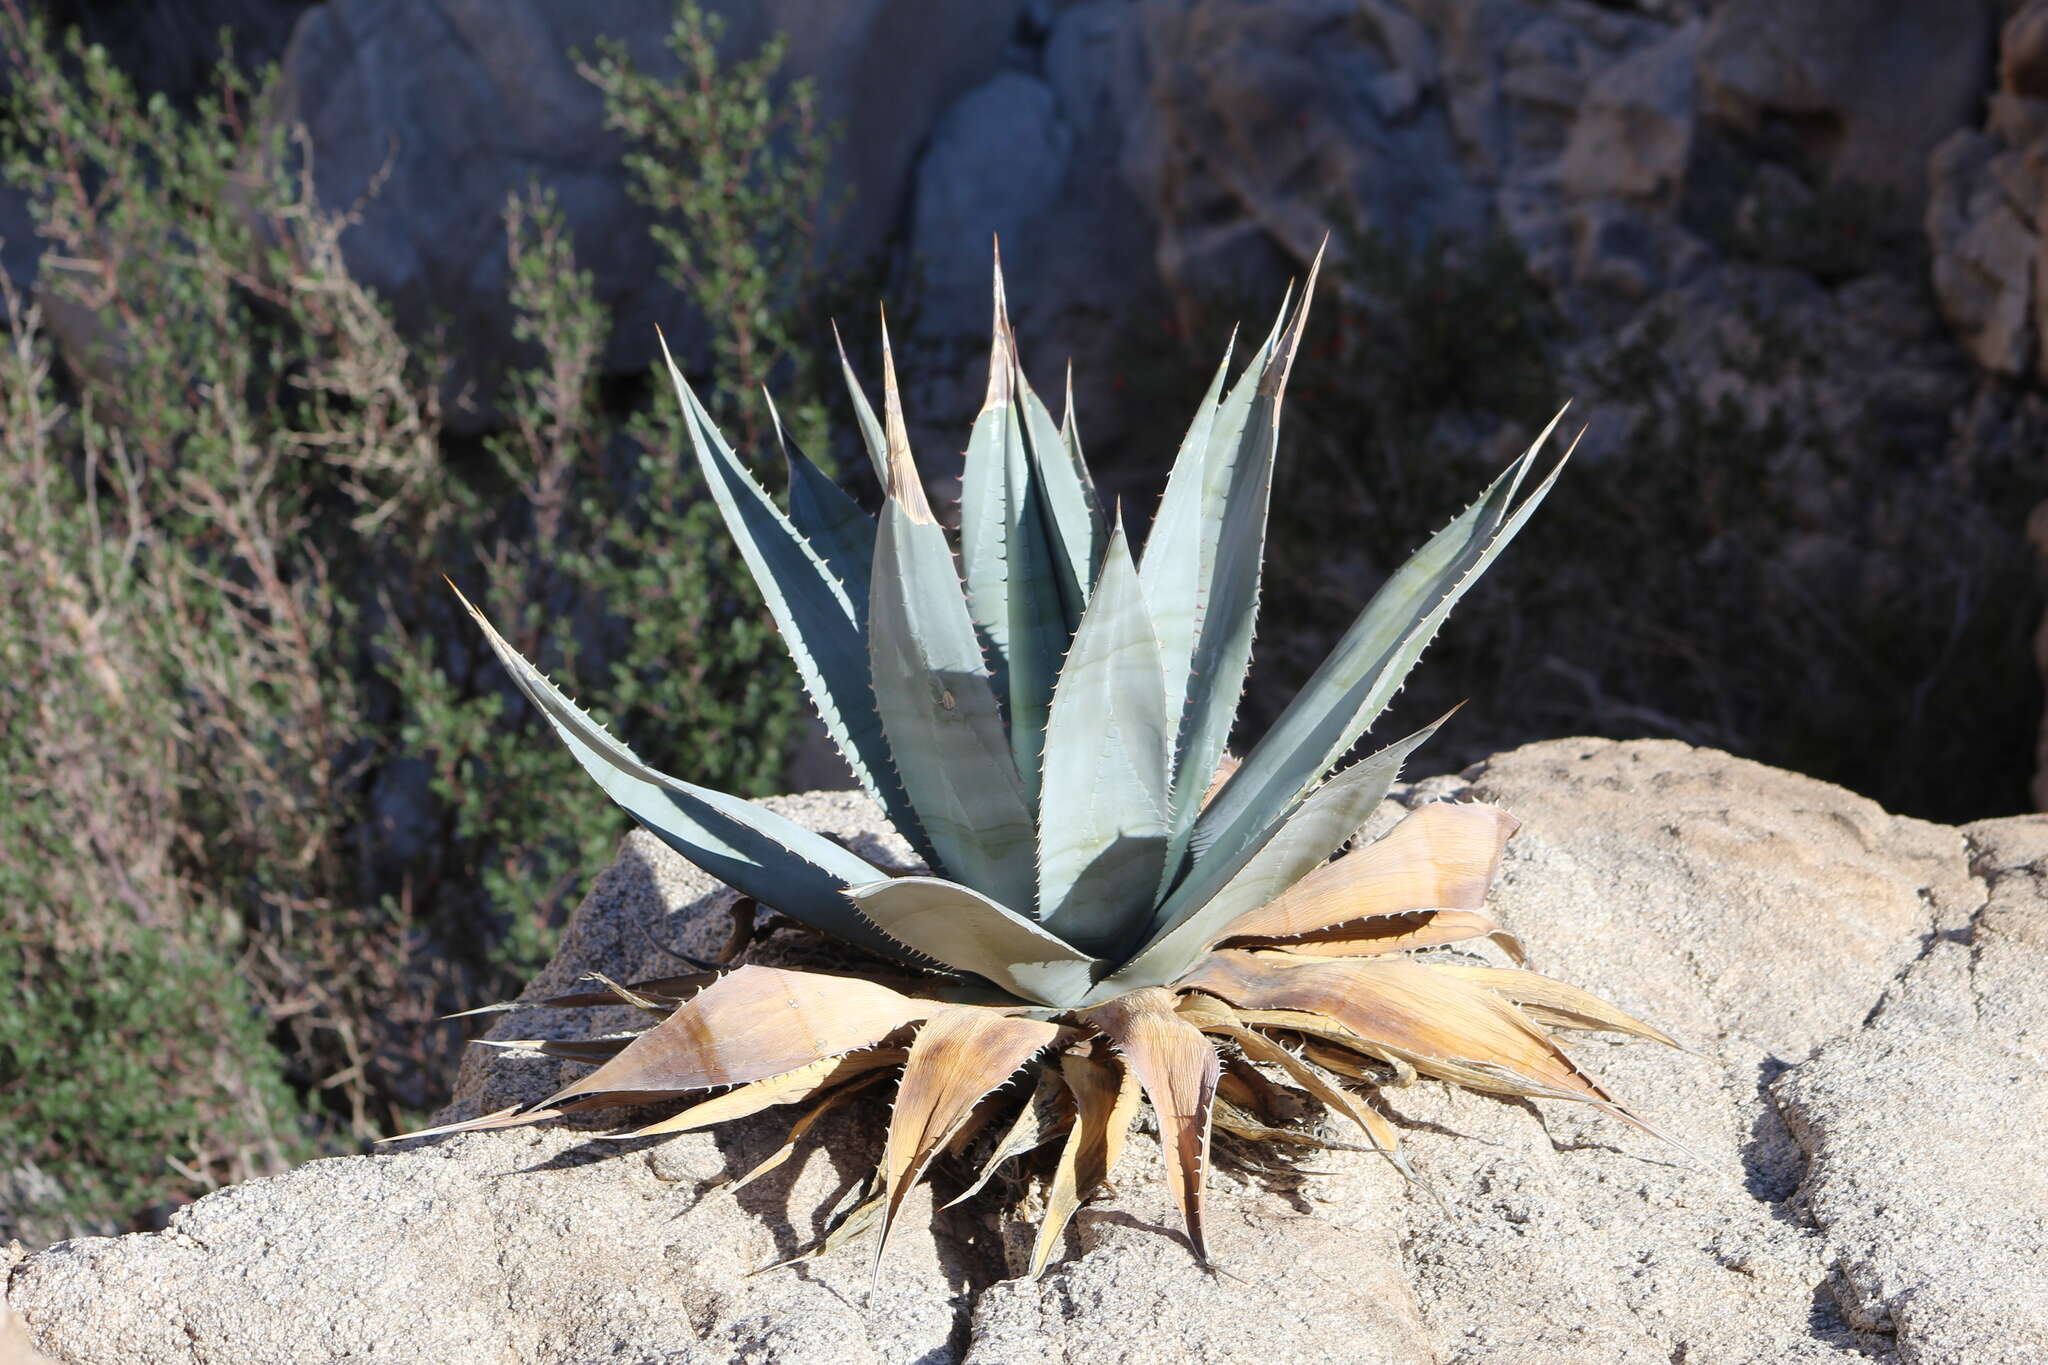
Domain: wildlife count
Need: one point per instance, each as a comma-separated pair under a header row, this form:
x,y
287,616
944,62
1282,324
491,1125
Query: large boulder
x,y
1985,207
424,117
1867,996
1859,91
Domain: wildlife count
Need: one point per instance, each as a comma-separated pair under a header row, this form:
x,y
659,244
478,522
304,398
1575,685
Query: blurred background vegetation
x,y
268,812
270,809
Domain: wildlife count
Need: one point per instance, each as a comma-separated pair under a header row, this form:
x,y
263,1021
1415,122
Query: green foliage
x,y
733,167
259,783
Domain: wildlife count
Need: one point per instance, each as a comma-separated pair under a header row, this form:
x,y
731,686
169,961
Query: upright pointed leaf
x,y
1221,891
1361,675
960,928
872,437
1007,554
1102,838
959,1056
764,855
1227,610
934,695
838,530
1066,495
1180,549
820,618
1178,1069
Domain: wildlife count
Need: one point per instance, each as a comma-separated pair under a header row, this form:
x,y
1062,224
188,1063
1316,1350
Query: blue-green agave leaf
x,y
871,435
960,928
1102,828
842,534
819,617
1241,454
934,693
1066,495
775,860
1217,892
1007,555
1367,667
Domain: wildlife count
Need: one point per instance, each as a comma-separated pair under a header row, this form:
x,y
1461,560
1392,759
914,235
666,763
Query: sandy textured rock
x,y
1871,1020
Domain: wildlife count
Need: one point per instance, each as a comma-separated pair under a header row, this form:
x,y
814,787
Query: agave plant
x,y
1111,906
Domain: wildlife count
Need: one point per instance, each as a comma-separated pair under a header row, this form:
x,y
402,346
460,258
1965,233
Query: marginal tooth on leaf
x,y
960,1055
1178,1069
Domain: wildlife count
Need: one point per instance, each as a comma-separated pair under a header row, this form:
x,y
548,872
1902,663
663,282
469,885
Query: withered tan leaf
x,y
1045,1116
1442,1025
804,1125
753,1023
1442,857
1105,1095
1558,1003
1396,933
1178,1069
959,1055
788,1088
1214,1016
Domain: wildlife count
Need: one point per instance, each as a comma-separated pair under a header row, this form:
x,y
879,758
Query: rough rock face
x,y
448,107
1869,996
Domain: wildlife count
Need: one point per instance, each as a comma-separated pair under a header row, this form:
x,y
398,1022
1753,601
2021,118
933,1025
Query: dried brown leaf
x,y
1555,1002
1178,1069
752,1023
961,1054
787,1088
1442,857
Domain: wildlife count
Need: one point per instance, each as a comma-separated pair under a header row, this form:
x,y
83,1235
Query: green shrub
x,y
268,809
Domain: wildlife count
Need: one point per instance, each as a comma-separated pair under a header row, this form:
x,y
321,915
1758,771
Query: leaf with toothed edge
x,y
842,535
1007,557
1221,891
1179,1070
1228,594
1066,498
819,618
932,690
1360,676
957,1057
1042,1119
1105,1098
755,1023
961,928
1102,843
871,435
764,855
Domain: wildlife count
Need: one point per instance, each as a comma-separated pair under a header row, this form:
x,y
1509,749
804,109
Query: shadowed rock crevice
x,y
1870,1201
